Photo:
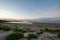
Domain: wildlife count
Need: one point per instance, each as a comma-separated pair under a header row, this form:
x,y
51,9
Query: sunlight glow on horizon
x,y
4,14
29,9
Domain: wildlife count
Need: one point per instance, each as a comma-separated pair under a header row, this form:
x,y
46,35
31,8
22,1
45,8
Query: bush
x,y
19,30
23,30
0,28
47,30
38,33
28,30
58,35
5,28
44,29
57,30
31,31
32,36
15,29
15,36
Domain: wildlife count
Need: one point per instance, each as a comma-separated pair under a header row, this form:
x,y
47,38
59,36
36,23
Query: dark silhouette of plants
x,y
2,21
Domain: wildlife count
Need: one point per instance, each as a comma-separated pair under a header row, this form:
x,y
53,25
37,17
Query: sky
x,y
29,9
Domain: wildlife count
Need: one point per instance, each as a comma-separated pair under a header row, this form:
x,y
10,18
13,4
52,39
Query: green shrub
x,y
19,30
28,30
38,33
5,28
58,35
23,30
15,36
0,28
15,29
32,36
47,30
57,30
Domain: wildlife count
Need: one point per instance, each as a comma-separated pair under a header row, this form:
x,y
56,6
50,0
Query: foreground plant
x,y
5,28
58,34
15,36
19,30
29,30
38,33
0,28
32,36
47,30
15,29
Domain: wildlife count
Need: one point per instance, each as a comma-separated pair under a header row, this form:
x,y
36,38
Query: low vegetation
x,y
38,33
23,30
19,33
50,30
55,31
29,30
32,36
15,36
5,28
